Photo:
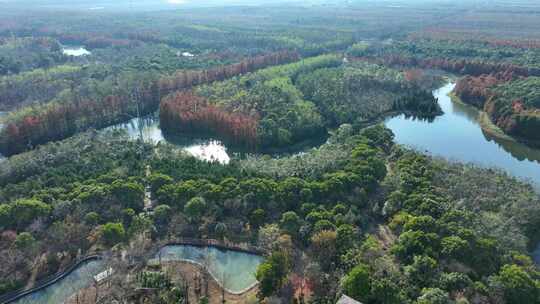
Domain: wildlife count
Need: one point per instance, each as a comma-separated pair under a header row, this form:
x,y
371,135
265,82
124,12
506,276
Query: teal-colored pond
x,y
59,292
232,269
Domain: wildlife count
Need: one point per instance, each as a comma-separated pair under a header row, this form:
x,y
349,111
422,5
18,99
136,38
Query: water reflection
x,y
147,128
237,267
75,51
457,135
59,292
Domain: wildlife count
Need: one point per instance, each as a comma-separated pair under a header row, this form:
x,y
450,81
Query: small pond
x,y
75,51
238,268
147,128
59,292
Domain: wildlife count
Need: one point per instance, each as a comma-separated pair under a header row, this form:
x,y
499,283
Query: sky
x,y
175,4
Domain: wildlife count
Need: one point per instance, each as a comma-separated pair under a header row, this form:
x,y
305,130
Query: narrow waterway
x,y
61,291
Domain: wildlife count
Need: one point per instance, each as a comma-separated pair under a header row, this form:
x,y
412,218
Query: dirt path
x,y
35,271
148,204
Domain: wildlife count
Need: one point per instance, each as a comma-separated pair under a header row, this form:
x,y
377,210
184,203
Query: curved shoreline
x,y
491,128
213,243
219,246
484,121
201,266
18,294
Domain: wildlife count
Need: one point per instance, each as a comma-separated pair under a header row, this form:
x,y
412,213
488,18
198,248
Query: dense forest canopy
x,y
357,214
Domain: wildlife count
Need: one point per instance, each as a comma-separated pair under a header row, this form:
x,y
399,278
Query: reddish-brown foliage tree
x,y
58,121
184,112
476,90
186,79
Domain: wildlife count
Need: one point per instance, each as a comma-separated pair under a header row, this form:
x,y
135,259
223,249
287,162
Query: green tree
x,y
518,285
455,281
113,233
256,218
323,248
272,273
433,296
162,216
346,235
25,241
385,291
411,243
455,247
22,212
323,225
91,218
357,283
422,272
141,223
195,208
221,230
128,194
158,180
290,223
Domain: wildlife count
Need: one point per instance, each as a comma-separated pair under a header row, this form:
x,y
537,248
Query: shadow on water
x,y
457,135
203,146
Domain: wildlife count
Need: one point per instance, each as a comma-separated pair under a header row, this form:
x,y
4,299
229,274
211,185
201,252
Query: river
x,y
457,135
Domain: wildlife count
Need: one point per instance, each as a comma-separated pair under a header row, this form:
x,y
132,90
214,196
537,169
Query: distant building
x,y
347,300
